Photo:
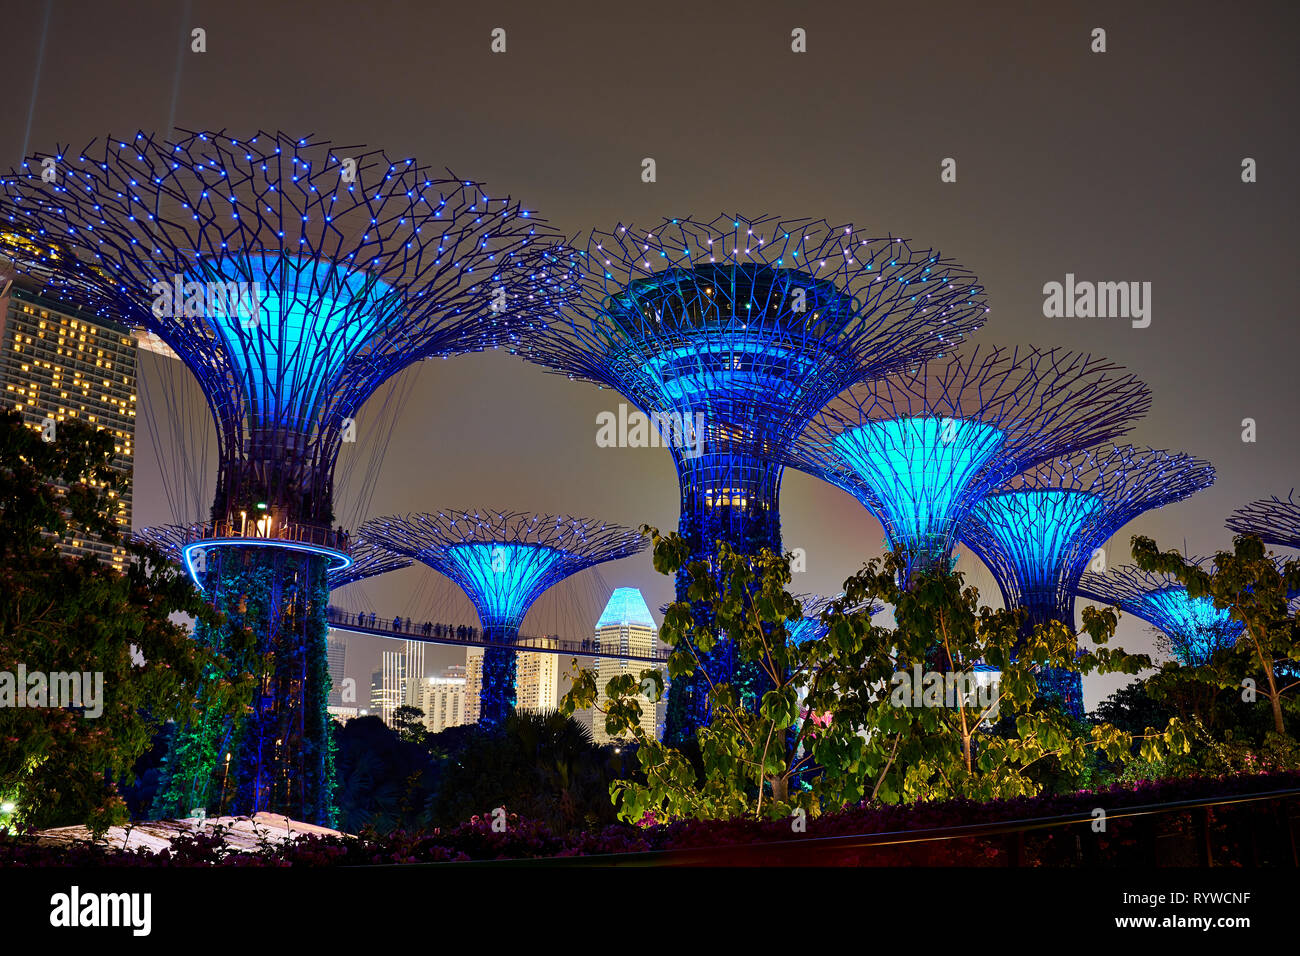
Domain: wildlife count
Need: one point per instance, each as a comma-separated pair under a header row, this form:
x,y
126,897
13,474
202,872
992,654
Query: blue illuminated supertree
x,y
729,335
503,561
292,277
1038,532
810,627
920,447
1272,520
1195,627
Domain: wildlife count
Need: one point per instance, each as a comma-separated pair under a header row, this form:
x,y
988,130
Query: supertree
x,y
1195,627
920,447
729,335
292,277
503,561
809,627
1039,531
1272,520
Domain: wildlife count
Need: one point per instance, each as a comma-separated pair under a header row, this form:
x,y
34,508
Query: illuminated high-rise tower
x,y
60,363
503,561
730,335
537,678
625,626
292,277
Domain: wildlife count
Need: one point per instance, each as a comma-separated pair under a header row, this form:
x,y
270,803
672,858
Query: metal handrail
x,y
543,645
298,533
703,856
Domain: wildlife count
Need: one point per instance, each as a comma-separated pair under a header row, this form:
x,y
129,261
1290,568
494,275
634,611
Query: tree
x,y
541,766
1255,589
60,616
863,730
384,782
408,721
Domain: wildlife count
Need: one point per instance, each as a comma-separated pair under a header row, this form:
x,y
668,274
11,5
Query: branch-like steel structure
x,y
1272,520
1039,531
1195,627
920,447
503,561
292,277
809,627
730,335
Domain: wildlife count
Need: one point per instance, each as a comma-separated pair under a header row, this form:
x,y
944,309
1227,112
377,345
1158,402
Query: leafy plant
x,y
832,731
61,765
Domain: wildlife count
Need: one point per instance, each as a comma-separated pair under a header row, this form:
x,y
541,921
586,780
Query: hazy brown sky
x,y
1122,166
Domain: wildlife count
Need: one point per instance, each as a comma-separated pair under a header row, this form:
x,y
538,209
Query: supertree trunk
x,y
735,499
281,752
497,695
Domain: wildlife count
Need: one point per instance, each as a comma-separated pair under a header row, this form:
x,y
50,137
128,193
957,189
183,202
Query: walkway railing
x,y
1247,829
430,633
333,538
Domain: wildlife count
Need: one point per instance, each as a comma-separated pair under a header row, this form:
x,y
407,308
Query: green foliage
x,y
851,739
385,783
1264,663
60,766
541,766
408,721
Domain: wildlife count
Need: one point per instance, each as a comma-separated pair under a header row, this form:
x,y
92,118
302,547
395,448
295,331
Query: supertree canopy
x,y
809,627
1039,531
292,277
1272,520
503,561
920,447
1196,627
729,335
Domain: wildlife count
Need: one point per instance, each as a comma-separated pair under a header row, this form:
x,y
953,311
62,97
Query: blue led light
x,y
804,629
339,561
503,580
313,317
1195,625
919,469
1036,528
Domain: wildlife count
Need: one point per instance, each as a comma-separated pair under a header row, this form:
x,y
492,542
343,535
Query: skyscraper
x,y
377,694
414,672
624,627
59,364
337,655
392,690
443,699
473,683
537,677
340,708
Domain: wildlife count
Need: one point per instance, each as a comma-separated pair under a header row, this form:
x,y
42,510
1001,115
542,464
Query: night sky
x,y
1122,166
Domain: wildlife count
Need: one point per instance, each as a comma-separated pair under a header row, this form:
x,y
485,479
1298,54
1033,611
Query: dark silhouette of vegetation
x,y
59,616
